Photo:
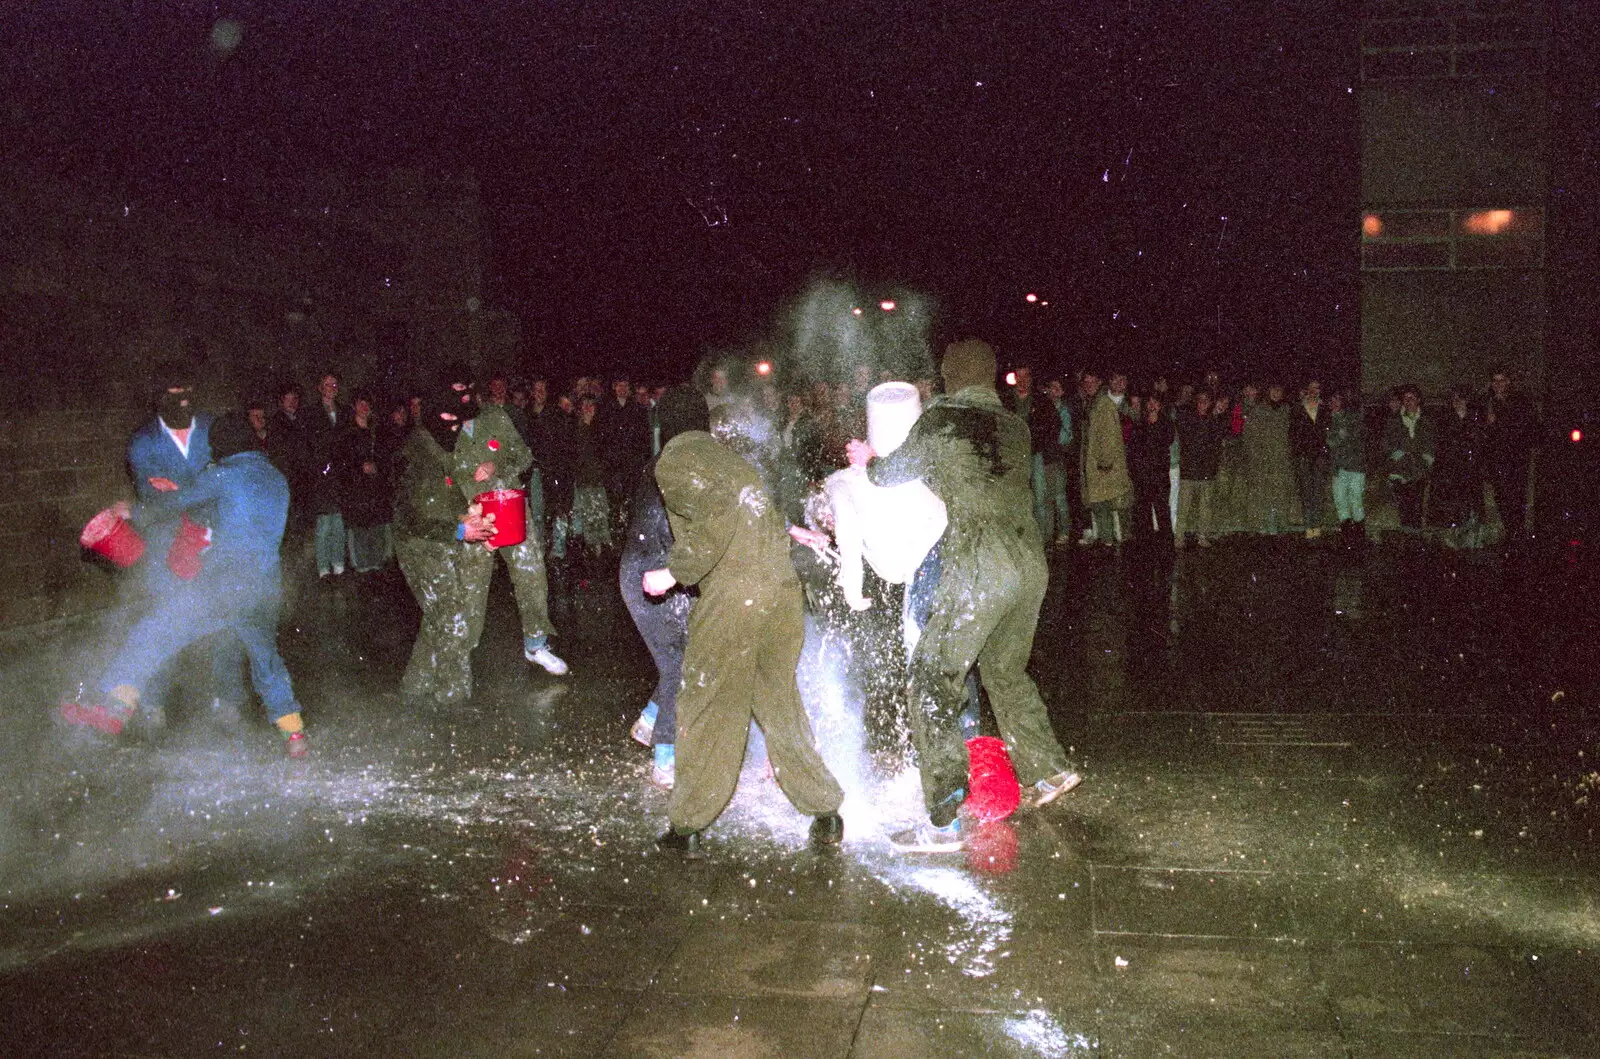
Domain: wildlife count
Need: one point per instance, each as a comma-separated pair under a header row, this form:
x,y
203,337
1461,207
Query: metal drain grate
x,y
1273,729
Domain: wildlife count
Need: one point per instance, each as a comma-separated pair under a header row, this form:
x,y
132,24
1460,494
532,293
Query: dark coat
x,y
1199,445
1150,453
325,470
1308,437
365,499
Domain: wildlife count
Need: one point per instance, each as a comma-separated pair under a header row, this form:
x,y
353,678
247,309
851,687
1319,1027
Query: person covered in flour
x,y
974,456
894,529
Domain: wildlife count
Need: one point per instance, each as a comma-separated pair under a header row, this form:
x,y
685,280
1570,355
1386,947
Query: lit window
x,y
1486,222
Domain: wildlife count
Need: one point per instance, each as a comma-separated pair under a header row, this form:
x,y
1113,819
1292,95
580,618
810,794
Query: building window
x,y
1493,46
1490,237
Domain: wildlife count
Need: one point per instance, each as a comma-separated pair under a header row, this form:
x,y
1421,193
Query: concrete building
x,y
1455,177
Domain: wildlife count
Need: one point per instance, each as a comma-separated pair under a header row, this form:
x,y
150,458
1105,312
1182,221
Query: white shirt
x,y
183,441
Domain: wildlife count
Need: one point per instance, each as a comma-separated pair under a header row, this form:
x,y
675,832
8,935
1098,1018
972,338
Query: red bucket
x,y
992,789
113,538
510,510
183,558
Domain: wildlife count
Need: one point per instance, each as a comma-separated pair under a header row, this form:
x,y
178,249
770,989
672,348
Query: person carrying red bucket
x,y
234,588
488,463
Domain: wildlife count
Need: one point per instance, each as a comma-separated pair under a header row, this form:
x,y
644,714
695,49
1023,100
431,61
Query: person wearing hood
x,y
237,590
974,456
745,635
490,453
663,622
438,538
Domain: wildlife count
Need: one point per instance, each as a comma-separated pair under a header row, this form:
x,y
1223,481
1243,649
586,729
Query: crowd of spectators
x,y
1111,462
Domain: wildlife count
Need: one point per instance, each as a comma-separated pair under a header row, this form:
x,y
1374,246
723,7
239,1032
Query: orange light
x,y
886,305
1487,222
1576,435
1030,298
1372,226
763,368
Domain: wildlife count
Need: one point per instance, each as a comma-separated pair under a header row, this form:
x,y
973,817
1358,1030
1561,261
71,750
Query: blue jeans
x,y
1349,495
371,547
330,544
248,609
1050,508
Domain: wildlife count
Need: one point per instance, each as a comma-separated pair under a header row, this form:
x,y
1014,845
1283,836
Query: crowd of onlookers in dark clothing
x,y
1206,459
1111,463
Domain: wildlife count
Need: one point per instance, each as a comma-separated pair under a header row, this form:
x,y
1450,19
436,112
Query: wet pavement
x,y
1335,805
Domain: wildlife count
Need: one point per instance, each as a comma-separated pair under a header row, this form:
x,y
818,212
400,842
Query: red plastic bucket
x,y
183,558
992,789
510,510
113,538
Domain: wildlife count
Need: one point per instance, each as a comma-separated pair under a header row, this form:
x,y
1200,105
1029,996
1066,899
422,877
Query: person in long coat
x,y
1269,469
1107,488
367,490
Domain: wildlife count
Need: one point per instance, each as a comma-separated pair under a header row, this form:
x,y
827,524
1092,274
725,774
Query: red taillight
x,y
1576,435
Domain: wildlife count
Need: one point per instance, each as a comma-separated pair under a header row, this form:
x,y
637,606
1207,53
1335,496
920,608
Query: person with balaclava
x,y
237,590
663,621
745,635
974,456
489,454
166,455
438,540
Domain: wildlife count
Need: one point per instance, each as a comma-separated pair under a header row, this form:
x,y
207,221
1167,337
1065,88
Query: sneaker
x,y
925,838
644,729
1046,791
827,830
547,660
687,845
96,716
296,744
665,769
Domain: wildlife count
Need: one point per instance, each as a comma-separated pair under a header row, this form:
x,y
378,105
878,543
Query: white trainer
x,y
547,660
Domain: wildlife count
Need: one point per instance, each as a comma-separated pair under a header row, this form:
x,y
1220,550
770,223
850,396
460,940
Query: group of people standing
x,y
1196,463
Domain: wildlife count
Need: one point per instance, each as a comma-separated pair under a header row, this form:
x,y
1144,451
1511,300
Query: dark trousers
x,y
1408,502
1152,507
663,625
1509,478
1311,477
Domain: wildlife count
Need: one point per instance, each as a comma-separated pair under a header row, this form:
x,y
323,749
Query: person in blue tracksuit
x,y
167,455
238,590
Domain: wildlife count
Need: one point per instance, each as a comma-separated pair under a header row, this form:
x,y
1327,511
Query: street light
x,y
887,305
1030,297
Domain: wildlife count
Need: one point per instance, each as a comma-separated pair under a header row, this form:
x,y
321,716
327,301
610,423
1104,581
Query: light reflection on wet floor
x,y
493,865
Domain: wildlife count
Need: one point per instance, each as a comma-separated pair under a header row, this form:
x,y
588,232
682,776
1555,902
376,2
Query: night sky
x,y
1179,181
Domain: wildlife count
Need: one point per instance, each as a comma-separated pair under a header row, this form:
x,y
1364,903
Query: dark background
x,y
1179,181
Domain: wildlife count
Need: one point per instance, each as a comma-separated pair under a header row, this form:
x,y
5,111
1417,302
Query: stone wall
x,y
56,470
